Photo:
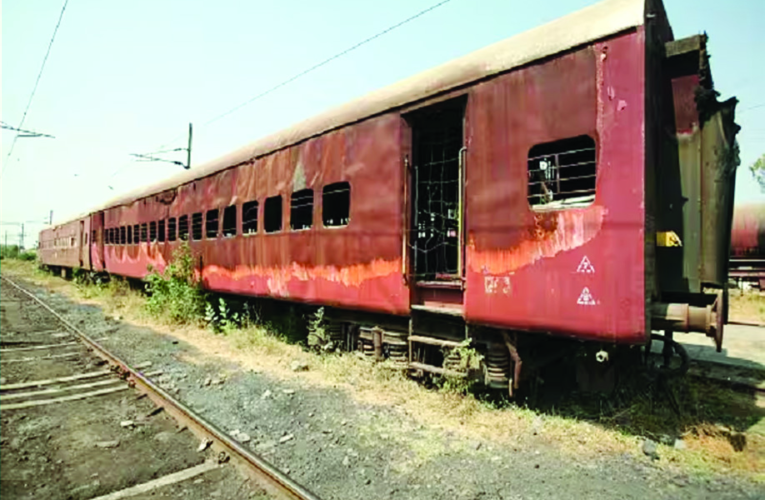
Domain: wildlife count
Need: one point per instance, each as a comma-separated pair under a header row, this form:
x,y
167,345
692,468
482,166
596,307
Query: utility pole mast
x,y
151,157
50,221
188,151
21,238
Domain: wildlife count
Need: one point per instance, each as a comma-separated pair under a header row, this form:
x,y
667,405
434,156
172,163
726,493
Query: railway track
x,y
72,374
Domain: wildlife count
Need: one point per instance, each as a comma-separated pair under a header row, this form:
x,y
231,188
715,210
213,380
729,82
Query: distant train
x,y
747,264
574,181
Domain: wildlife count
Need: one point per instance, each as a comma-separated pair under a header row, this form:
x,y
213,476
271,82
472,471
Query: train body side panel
x,y
575,271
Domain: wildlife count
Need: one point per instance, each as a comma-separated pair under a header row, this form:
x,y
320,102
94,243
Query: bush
x,y
176,293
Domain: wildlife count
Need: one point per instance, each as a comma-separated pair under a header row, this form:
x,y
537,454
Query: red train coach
x,y
748,244
556,183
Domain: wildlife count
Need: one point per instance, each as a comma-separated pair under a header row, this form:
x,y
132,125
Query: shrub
x,y
176,293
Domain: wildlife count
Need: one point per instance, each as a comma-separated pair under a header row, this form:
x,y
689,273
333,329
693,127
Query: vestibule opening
x,y
437,142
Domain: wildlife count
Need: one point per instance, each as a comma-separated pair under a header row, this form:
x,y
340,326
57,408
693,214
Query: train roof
x,y
585,26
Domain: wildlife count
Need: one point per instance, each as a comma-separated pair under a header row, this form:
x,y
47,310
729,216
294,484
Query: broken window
x,y
161,230
301,209
136,237
250,217
144,233
196,226
229,221
211,227
336,204
153,231
123,235
272,214
171,228
130,235
183,228
562,173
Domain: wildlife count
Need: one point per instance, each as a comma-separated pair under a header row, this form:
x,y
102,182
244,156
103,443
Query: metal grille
x,y
436,239
562,173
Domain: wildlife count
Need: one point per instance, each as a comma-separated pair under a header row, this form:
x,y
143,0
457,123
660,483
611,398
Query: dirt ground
x,y
342,439
747,306
80,449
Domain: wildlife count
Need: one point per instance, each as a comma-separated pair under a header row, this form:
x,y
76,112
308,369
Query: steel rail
x,y
274,481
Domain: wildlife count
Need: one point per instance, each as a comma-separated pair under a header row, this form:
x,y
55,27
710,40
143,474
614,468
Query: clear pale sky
x,y
127,77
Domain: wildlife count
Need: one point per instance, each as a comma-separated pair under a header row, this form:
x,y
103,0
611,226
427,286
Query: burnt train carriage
x,y
559,182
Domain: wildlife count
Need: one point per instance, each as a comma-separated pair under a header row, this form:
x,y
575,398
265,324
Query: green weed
x,y
176,295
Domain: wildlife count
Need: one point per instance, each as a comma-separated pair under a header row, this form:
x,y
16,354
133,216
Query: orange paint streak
x,y
555,232
279,277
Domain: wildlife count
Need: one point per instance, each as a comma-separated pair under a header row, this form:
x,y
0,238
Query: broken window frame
x,y
229,221
271,207
333,217
250,217
546,162
301,210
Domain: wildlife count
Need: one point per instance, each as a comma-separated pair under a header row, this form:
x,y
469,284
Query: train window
x,y
171,227
250,217
161,230
196,226
272,214
301,209
562,173
153,231
211,224
144,233
336,204
183,227
229,221
136,235
123,235
71,241
130,235
93,236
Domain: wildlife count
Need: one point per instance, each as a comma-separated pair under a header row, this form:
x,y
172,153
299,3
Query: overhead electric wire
x,y
310,69
326,61
37,82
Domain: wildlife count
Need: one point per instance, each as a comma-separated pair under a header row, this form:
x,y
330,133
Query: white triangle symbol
x,y
585,266
585,298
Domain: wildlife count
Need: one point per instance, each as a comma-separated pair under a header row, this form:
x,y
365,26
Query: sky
x,y
128,77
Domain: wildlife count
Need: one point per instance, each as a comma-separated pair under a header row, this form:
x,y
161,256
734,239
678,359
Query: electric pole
x,y
151,157
21,238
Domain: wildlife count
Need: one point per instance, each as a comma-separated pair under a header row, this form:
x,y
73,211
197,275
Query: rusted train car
x,y
748,244
573,181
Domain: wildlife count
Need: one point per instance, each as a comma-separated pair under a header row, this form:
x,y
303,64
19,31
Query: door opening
x,y
437,147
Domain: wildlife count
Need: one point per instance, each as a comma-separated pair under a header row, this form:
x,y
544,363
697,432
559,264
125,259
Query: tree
x,y
758,171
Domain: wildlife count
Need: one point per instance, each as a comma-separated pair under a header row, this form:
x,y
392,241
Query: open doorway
x,y
437,146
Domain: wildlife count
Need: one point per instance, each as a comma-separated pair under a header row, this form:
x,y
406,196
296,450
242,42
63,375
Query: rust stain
x,y
553,233
279,277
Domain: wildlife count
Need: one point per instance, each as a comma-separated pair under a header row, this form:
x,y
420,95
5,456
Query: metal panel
x,y
576,271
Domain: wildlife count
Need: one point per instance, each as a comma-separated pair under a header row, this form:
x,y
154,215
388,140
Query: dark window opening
x,y
130,235
336,204
211,224
144,233
562,173
123,235
108,236
152,231
301,209
136,235
272,214
250,217
161,230
196,226
93,237
171,228
437,141
183,228
229,221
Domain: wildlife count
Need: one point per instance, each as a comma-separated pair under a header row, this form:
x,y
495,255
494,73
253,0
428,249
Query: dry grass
x,y
255,348
747,306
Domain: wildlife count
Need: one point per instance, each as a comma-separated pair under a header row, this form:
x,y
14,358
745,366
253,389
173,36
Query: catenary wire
x,y
308,70
37,82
